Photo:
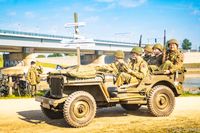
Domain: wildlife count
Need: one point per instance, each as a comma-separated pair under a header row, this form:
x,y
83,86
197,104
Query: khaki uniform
x,y
33,78
139,70
116,68
173,61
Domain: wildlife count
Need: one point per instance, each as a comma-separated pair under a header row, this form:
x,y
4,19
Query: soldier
x,y
33,77
173,58
117,66
137,69
156,60
147,52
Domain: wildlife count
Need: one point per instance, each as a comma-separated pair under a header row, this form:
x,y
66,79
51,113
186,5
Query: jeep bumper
x,y
48,102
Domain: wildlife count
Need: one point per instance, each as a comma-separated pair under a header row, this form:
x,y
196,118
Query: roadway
x,y
24,115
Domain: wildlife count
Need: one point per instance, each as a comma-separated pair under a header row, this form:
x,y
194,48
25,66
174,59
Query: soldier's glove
x,y
167,72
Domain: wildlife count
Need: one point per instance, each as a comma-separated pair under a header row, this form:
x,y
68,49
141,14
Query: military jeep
x,y
76,99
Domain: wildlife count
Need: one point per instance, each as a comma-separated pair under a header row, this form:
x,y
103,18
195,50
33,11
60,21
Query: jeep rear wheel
x,y
79,109
161,101
131,107
51,113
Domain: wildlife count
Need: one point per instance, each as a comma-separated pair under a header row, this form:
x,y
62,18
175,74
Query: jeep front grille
x,y
56,84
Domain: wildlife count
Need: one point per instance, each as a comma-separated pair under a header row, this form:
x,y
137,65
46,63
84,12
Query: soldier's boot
x,y
112,90
33,90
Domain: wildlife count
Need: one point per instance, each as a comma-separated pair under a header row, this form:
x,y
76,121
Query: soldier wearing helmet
x,y
137,69
158,55
117,66
174,58
148,51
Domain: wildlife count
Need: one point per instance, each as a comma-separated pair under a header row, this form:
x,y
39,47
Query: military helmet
x,y
158,46
33,62
148,48
119,54
137,50
172,41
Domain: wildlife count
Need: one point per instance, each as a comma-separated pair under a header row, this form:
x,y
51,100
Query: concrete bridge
x,y
20,44
16,41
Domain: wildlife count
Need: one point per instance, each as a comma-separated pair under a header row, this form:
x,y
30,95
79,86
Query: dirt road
x,y
25,116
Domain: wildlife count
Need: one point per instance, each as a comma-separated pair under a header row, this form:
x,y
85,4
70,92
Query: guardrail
x,y
60,37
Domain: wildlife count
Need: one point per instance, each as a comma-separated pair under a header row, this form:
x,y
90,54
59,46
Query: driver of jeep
x,y
137,69
117,66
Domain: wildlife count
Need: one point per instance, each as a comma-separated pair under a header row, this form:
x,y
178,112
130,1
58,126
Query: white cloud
x,y
124,3
29,14
96,8
12,13
131,3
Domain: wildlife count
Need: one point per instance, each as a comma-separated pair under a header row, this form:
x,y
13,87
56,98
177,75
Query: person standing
x,y
33,77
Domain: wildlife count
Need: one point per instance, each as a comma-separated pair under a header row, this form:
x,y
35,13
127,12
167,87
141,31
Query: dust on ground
x,y
24,115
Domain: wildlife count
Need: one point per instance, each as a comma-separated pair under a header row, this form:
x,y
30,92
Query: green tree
x,y
186,45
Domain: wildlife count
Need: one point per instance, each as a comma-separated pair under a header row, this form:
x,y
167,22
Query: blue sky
x,y
122,20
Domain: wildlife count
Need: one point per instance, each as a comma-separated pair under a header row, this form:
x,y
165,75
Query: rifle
x,y
165,47
140,41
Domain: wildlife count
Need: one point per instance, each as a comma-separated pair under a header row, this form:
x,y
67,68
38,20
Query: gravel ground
x,y
24,115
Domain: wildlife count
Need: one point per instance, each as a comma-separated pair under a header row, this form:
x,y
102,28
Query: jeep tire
x,y
161,101
79,109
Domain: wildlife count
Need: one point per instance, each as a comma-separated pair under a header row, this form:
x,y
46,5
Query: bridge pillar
x,y
12,59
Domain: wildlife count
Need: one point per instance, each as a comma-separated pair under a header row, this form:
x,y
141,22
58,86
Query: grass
x,y
188,94
50,65
39,93
1,61
15,97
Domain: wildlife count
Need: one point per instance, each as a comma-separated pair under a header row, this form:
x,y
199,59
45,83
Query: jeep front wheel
x,y
79,109
161,101
131,107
